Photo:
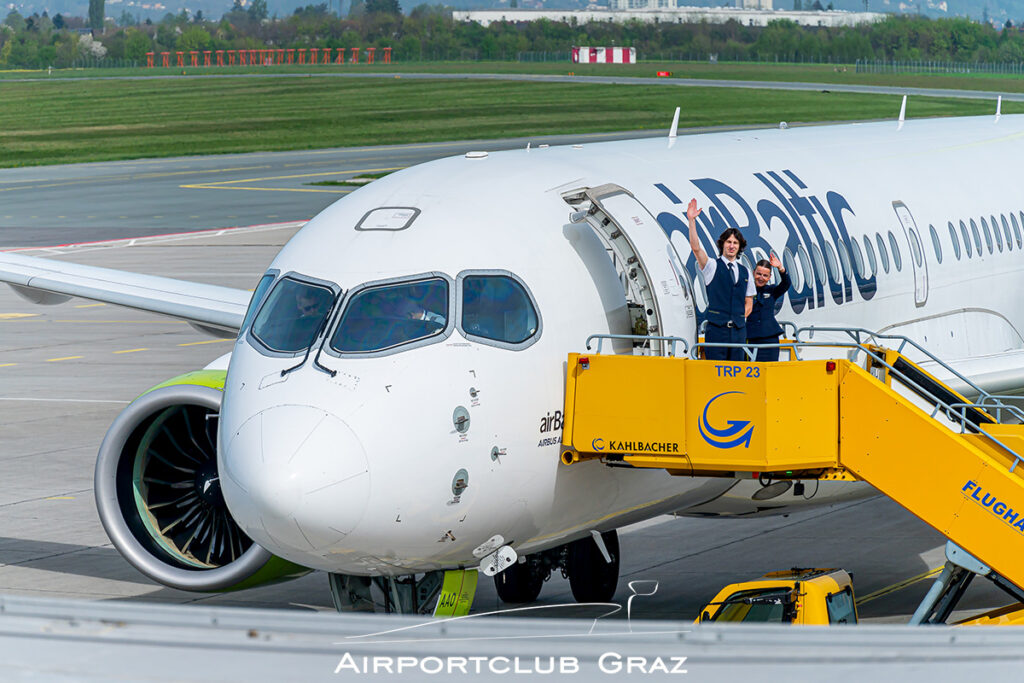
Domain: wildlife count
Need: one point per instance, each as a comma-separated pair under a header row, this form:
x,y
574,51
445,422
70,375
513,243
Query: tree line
x,y
428,32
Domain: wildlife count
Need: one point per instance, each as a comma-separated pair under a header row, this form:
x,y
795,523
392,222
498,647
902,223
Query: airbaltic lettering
x,y
644,446
551,423
785,205
997,507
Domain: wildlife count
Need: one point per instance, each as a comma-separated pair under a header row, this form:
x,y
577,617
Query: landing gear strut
x,y
389,594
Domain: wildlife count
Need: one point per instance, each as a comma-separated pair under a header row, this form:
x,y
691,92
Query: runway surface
x,y
611,79
66,372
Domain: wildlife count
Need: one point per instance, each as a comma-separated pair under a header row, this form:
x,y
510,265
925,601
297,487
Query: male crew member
x,y
730,290
762,328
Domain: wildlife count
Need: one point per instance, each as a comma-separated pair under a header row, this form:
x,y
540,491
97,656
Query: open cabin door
x,y
653,276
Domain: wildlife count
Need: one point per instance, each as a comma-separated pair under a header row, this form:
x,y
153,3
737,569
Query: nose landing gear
x,y
592,577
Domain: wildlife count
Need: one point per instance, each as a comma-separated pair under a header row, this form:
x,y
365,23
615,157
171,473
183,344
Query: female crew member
x,y
762,328
730,290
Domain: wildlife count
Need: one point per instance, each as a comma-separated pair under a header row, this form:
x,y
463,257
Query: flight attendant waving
x,y
730,290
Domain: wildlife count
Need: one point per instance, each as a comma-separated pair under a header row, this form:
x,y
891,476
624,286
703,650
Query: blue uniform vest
x,y
761,322
726,300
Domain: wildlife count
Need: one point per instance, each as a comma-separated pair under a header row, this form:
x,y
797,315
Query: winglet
x,y
903,113
675,126
999,107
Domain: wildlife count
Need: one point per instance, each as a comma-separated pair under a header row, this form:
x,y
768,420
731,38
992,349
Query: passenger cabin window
x,y
936,243
916,248
805,265
955,240
830,259
291,317
1006,230
858,259
1014,219
819,264
1016,230
897,258
256,300
497,308
967,240
382,317
977,238
789,261
870,251
882,253
998,236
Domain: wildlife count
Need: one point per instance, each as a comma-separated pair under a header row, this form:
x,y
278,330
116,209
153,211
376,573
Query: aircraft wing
x,y
210,308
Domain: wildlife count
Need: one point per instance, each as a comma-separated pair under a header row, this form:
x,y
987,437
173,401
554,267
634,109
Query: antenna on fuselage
x,y
903,113
674,129
999,108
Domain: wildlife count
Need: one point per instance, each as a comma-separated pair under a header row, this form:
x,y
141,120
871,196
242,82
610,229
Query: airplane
x,y
392,405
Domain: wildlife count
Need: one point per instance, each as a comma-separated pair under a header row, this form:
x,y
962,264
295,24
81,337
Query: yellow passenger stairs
x,y
867,413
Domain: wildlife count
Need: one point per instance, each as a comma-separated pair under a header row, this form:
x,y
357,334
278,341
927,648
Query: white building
x,y
659,11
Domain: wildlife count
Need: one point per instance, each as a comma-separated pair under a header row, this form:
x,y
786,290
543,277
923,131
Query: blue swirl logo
x,y
738,431
597,444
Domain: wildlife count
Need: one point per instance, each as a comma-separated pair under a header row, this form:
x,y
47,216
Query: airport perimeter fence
x,y
934,67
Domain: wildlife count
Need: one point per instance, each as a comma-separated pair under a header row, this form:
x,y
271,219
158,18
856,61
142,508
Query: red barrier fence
x,y
267,57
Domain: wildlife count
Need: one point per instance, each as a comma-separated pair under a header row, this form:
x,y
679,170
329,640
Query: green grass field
x,y
91,120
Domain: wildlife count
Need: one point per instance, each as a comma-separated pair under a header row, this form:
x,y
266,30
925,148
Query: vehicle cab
x,y
797,596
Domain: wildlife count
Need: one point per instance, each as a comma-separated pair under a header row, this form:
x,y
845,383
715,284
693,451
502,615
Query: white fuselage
x,y
354,473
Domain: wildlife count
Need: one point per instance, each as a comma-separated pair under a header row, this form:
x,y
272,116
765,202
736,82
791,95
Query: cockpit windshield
x,y
292,315
379,318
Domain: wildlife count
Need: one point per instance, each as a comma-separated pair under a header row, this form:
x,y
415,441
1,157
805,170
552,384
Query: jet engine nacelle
x,y
159,498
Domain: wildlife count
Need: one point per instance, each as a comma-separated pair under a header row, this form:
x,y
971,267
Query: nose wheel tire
x,y
519,583
591,578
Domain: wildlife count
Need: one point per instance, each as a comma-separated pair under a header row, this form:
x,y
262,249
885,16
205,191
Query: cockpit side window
x,y
381,317
257,299
289,320
497,309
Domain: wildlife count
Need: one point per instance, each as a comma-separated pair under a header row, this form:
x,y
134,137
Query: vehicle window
x,y
805,265
256,300
967,240
1006,230
977,238
789,261
858,258
292,315
497,307
385,316
882,253
955,240
936,243
759,605
840,608
1016,231
819,264
870,251
897,258
988,238
915,247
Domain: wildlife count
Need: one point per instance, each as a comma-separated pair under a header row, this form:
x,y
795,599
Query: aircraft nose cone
x,y
295,478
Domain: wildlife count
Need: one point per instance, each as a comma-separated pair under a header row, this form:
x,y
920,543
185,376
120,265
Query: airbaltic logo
x,y
995,506
738,432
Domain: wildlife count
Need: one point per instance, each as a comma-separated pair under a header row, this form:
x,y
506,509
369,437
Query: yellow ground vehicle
x,y
797,596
